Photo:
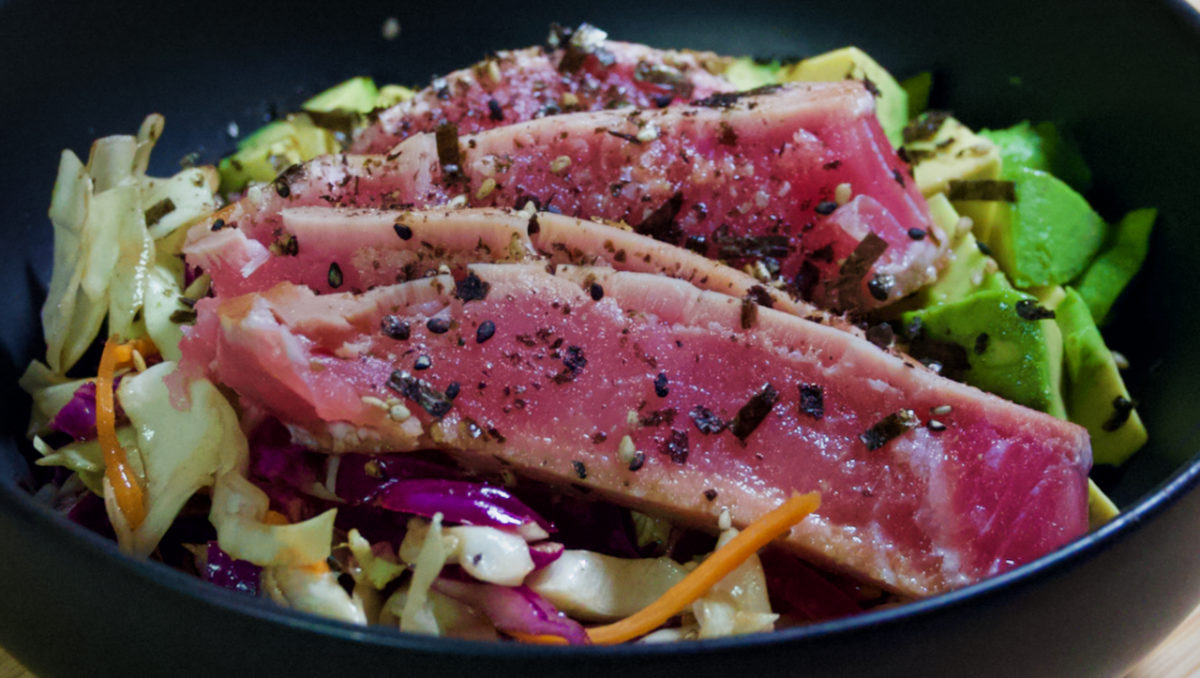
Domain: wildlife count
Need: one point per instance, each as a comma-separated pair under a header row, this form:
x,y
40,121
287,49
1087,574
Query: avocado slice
x,y
746,73
891,101
1047,237
1095,393
1015,356
261,156
918,88
356,94
1115,266
952,153
1040,147
390,95
968,269
1101,509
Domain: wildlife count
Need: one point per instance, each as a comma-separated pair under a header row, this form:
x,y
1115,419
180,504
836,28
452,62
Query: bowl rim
x,y
1186,478
42,518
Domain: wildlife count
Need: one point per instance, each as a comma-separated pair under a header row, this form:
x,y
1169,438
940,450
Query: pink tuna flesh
x,y
368,248
720,411
748,179
519,85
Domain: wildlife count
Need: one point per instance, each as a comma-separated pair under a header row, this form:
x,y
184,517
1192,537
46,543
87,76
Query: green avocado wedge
x,y
1048,236
1095,393
1011,348
356,94
1117,263
746,73
1040,147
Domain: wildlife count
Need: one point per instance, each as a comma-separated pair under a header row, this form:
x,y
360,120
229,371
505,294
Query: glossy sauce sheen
x,y
551,392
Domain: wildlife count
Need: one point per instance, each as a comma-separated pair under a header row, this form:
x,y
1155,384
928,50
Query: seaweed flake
x,y
421,392
471,288
706,420
660,224
888,428
982,189
812,401
754,411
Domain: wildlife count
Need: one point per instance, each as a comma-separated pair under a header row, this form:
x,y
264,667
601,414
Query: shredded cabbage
x,y
485,553
103,248
238,507
182,451
50,393
375,570
311,590
595,587
738,603
416,615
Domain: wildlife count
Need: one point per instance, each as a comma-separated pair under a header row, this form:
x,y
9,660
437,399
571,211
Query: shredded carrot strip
x,y
127,489
275,518
714,568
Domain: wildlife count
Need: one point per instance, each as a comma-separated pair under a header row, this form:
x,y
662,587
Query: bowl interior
x,y
1121,79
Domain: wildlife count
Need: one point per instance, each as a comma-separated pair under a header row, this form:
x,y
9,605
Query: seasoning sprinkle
x,y
438,325
981,343
812,401
706,420
888,428
580,469
639,460
420,392
1029,309
710,494
486,330
1122,408
754,412
494,110
660,385
335,275
471,288
676,446
394,328
560,163
423,362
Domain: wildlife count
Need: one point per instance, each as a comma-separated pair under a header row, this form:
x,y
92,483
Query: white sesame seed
x,y
486,188
372,401
560,163
1120,359
724,521
631,418
399,413
940,410
626,450
457,201
568,99
648,133
841,194
139,362
493,69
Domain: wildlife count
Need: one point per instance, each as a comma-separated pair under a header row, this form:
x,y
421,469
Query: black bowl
x,y
1122,76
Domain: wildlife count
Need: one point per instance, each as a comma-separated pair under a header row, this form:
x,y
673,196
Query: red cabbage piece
x,y
514,609
361,477
237,575
545,552
78,417
796,586
461,501
90,512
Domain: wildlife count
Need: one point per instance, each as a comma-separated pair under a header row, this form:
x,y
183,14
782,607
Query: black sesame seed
x,y
423,362
438,325
487,328
335,275
710,494
1029,309
453,390
936,426
394,327
596,291
983,247
403,231
218,224
981,343
580,469
660,385
916,233
639,459
494,111
826,207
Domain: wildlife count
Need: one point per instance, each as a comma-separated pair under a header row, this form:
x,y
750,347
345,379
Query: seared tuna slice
x,y
589,73
749,179
669,400
368,248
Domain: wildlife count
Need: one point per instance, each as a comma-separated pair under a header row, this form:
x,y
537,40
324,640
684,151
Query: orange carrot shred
x,y
714,568
126,487
275,518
